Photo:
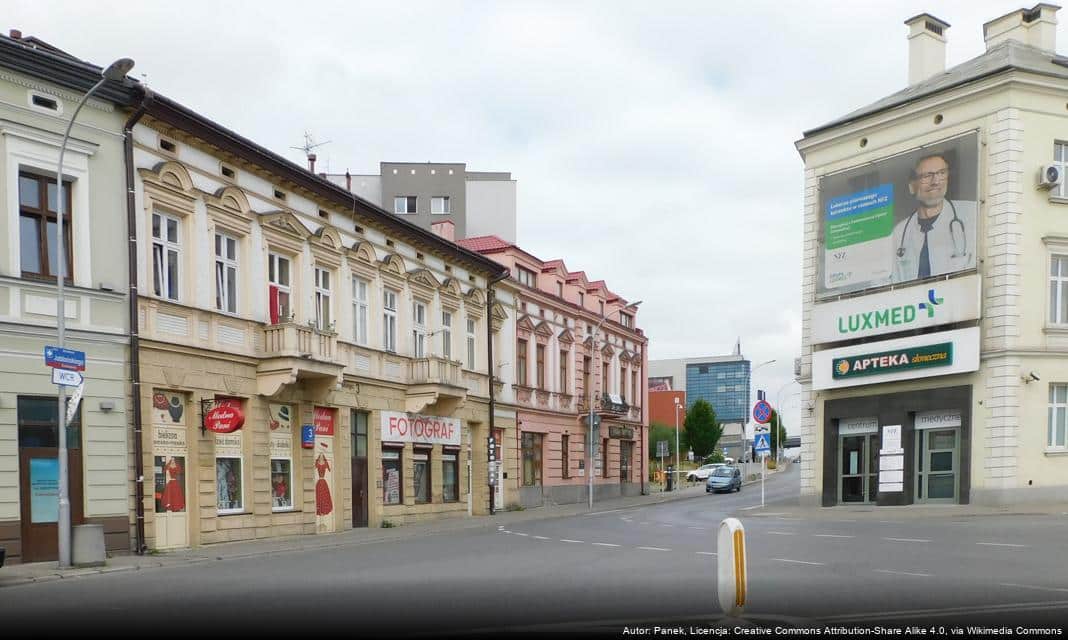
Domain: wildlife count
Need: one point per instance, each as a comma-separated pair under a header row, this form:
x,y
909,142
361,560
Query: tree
x,y
778,431
658,432
702,429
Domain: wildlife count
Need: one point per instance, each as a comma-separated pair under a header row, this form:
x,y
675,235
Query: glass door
x,y
851,471
937,465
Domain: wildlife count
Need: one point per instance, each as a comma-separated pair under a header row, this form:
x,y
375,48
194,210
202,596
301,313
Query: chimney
x,y
927,47
348,180
1036,27
446,229
15,34
311,162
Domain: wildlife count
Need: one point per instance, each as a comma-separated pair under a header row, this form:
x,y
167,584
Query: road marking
x,y
780,533
798,561
667,525
906,539
500,527
949,611
1002,544
522,534
540,538
604,544
902,573
697,528
755,506
576,541
598,513
705,553
505,531
654,549
1028,586
781,518
830,535
644,523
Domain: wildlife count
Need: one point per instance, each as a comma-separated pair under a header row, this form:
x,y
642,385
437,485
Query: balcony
x,y
435,381
612,405
297,353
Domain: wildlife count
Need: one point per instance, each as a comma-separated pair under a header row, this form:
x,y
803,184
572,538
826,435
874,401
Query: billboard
x,y
662,383
904,218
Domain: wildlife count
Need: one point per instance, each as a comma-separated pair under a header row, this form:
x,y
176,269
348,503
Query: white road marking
x,y
830,535
1002,544
697,528
604,544
598,513
798,561
575,541
906,539
781,518
503,531
1028,586
654,549
780,533
541,537
902,573
667,525
522,534
755,506
706,553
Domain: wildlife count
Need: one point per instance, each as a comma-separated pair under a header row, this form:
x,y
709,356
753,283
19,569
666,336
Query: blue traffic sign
x,y
60,358
761,443
762,411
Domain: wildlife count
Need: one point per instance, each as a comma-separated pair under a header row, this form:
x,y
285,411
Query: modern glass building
x,y
724,385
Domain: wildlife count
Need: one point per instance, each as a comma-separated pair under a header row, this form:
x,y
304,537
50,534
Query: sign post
x,y
661,452
761,441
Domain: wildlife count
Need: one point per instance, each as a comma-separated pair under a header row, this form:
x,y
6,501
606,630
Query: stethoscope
x,y
957,253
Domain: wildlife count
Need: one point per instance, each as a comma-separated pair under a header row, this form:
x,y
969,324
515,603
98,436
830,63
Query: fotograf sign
x,y
904,359
917,307
411,427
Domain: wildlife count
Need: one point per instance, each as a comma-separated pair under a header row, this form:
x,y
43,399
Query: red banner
x,y
226,417
324,421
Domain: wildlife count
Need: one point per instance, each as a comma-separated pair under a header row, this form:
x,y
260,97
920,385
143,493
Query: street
x,y
599,572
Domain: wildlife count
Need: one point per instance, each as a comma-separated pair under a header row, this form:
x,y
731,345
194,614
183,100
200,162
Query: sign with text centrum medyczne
x,y
903,359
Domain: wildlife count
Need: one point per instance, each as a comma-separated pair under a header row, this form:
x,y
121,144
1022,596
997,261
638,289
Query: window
x,y
521,363
565,465
359,433
389,320
1060,158
539,361
279,292
470,343
359,311
228,484
392,492
1058,289
526,276
1058,408
37,227
532,459
166,255
604,457
418,329
563,372
622,379
634,388
169,474
587,364
604,377
446,335
225,273
421,475
582,299
601,303
39,425
281,484
439,205
450,477
626,320
322,299
404,204
560,289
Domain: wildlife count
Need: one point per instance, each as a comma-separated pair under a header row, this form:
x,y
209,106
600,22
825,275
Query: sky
x,y
652,142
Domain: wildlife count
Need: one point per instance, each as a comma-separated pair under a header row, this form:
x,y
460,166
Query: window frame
x,y
419,331
289,484
1051,428
389,320
42,216
526,276
413,200
450,458
323,299
446,334
274,272
472,332
224,297
161,281
241,484
531,447
1058,289
360,310
563,371
446,208
521,362
392,453
421,456
565,456
1061,146
539,366
587,371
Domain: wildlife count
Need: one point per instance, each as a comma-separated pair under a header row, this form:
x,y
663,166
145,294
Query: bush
x,y
771,463
716,456
388,524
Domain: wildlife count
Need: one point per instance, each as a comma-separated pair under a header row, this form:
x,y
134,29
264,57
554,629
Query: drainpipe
x,y
490,300
135,339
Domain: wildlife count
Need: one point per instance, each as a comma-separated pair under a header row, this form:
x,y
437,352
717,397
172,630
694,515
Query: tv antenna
x,y
309,144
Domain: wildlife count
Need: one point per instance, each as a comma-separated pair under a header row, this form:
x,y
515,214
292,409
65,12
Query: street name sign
x,y
60,358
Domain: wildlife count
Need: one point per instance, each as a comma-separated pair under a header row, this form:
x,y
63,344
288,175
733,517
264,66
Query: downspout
x,y
491,298
135,338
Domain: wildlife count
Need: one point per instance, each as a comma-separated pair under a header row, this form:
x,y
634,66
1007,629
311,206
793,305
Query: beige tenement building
x,y
935,286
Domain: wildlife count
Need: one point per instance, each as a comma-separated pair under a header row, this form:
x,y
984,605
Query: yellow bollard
x,y
733,578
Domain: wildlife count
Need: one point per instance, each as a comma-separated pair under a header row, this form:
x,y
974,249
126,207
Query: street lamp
x,y
678,462
589,425
115,72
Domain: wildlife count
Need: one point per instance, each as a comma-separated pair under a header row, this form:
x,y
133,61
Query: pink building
x,y
560,369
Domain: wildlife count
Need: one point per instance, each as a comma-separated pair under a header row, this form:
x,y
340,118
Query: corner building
x,y
935,256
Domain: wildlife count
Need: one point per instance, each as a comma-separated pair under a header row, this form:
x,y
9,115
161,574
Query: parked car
x,y
701,473
726,479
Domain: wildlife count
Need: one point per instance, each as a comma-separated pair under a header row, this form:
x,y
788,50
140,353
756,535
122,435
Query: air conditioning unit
x,y
1051,176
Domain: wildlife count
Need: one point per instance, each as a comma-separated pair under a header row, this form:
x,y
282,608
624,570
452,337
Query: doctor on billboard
x,y
933,240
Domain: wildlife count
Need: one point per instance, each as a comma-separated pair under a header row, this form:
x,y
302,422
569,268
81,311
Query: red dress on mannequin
x,y
323,502
173,498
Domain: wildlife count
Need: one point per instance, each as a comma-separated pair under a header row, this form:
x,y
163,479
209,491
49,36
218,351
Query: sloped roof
x,y
484,243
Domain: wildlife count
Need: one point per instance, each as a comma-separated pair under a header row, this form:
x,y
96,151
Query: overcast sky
x,y
652,142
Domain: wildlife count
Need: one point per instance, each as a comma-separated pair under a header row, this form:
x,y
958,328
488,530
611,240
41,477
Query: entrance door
x,y
39,477
626,454
937,465
856,468
498,489
359,468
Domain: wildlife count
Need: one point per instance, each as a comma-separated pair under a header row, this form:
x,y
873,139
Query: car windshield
x,y
724,471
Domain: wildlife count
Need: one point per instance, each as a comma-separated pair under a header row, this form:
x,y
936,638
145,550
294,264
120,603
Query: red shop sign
x,y
324,421
226,417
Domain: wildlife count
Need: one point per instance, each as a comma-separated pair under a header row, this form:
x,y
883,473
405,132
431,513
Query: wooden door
x,y
39,499
359,492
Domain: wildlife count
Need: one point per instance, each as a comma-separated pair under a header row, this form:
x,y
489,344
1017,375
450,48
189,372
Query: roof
x,y
484,243
1007,55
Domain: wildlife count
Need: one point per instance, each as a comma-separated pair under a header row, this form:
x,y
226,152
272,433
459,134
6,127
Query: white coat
x,y
945,256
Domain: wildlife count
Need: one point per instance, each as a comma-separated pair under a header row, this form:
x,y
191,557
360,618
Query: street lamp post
x,y
115,72
678,461
589,393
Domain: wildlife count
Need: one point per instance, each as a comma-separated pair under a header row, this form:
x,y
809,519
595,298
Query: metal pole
x,y
589,425
678,462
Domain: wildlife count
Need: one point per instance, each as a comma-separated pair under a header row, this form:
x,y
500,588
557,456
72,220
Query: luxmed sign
x,y
920,306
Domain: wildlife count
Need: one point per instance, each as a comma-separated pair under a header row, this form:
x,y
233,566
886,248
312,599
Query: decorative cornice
x,y
59,93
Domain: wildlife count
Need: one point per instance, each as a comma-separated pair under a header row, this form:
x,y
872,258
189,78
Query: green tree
x,y
702,429
778,431
658,432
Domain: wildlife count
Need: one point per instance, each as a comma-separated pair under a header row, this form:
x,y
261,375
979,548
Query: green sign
x,y
904,359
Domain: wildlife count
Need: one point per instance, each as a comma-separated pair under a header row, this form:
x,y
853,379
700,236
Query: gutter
x,y
491,297
147,98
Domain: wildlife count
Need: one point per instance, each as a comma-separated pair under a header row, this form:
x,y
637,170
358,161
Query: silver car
x,y
725,479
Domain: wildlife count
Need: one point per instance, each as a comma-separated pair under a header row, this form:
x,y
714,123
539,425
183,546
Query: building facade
x,y
39,89
933,357
560,368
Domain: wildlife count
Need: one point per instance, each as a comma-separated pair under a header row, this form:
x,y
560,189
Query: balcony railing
x,y
614,404
289,339
436,371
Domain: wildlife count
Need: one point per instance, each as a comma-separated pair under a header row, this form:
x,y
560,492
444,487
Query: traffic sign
x,y
60,358
761,443
661,448
762,411
72,404
66,377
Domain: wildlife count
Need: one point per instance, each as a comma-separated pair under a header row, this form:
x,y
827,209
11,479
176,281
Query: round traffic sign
x,y
762,411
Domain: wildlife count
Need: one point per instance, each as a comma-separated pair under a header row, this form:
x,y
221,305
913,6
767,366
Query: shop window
x,y
421,475
228,482
392,491
532,459
170,484
450,477
37,226
281,484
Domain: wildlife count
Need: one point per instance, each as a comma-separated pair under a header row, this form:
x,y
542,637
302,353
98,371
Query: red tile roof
x,y
484,243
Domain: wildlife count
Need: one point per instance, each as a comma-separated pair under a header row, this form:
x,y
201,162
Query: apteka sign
x,y
906,358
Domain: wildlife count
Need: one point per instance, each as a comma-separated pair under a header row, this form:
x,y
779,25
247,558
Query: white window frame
x,y
439,206
225,298
360,313
322,299
1060,159
292,500
399,210
526,276
389,320
1057,435
273,262
446,335
1058,289
472,329
164,246
419,309
626,320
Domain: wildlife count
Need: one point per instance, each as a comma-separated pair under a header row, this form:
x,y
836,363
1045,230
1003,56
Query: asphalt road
x,y
595,573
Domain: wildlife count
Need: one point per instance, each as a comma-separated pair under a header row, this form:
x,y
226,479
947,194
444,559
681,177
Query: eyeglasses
x,y
930,176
